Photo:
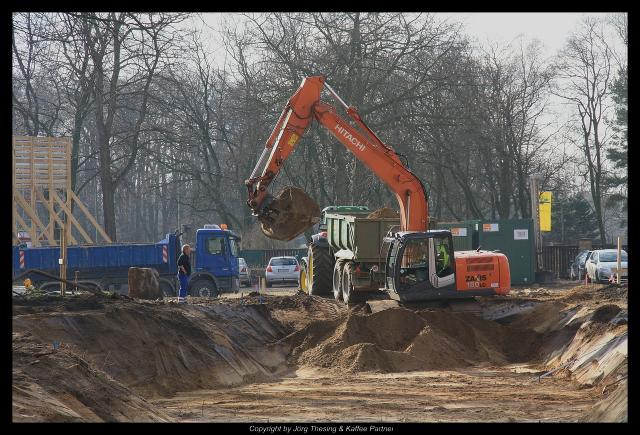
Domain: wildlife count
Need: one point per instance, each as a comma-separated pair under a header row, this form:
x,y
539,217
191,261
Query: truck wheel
x,y
347,283
337,279
204,288
320,270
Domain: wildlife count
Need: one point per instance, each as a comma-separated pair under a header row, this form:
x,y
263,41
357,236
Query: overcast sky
x,y
552,28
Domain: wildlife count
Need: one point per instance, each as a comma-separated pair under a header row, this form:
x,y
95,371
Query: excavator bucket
x,y
290,213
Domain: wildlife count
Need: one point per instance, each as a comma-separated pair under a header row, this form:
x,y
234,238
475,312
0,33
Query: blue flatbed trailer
x,y
214,263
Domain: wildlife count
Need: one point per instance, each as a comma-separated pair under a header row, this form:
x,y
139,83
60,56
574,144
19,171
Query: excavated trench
x,y
308,358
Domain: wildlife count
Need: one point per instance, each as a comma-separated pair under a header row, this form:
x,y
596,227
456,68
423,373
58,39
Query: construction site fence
x,y
558,258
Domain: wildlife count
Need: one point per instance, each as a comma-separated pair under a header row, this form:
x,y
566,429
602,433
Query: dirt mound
x,y
60,386
613,408
384,212
399,339
158,349
297,311
592,293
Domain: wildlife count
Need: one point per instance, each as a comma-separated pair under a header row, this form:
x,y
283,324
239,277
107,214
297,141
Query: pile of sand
x,y
384,212
297,311
399,339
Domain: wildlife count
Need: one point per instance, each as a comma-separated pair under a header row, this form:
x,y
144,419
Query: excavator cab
x,y
420,265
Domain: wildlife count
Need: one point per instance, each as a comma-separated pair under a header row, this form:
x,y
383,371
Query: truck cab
x,y
215,267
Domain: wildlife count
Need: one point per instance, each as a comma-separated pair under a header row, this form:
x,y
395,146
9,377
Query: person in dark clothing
x,y
184,270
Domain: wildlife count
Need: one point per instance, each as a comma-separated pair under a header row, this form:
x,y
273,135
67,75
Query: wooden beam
x,y
89,216
23,223
70,216
55,216
34,218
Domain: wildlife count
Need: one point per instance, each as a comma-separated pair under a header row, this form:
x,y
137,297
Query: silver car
x,y
245,274
282,269
600,263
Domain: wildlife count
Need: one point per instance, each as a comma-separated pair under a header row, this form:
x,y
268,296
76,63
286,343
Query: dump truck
x,y
356,243
214,263
419,264
320,243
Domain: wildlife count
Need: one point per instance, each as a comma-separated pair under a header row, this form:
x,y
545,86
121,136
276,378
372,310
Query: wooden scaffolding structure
x,y
42,194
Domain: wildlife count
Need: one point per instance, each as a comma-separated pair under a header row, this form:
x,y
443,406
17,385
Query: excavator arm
x,y
304,106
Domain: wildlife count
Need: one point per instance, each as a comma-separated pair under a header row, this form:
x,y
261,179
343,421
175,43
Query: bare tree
x,y
125,52
585,67
37,98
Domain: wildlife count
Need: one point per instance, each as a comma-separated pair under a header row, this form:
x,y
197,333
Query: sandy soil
x,y
477,394
539,354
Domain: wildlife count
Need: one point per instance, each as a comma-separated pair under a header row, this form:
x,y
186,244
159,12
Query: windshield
x,y
610,257
283,262
234,247
413,265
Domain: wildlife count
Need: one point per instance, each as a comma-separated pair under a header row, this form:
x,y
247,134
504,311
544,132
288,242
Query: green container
x,y
515,239
464,234
360,235
354,210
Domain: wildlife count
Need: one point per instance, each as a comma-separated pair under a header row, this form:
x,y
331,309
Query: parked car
x,y
576,268
282,269
599,264
245,273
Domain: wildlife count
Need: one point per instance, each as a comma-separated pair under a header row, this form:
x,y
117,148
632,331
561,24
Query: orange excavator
x,y
420,264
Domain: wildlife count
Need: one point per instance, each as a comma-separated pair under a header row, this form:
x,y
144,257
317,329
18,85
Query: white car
x,y
600,262
282,269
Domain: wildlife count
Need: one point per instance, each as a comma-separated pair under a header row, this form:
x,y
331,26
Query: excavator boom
x,y
420,264
285,217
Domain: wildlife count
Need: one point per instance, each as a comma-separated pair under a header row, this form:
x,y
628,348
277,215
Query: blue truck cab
x,y
214,263
214,266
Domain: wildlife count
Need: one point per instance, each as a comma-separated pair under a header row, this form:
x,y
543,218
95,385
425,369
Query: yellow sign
x,y
545,197
544,207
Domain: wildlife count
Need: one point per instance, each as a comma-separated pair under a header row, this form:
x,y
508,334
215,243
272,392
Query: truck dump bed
x,y
360,235
95,260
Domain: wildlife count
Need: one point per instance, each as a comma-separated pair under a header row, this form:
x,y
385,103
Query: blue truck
x,y
214,263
